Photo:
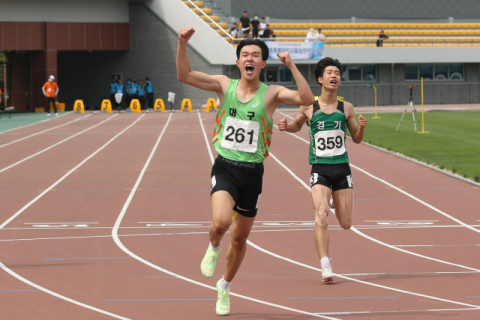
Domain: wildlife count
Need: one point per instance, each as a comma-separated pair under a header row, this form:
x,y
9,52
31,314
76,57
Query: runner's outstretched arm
x,y
357,130
296,124
304,95
194,78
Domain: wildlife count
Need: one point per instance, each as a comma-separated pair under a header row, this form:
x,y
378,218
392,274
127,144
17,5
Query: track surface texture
x,y
106,216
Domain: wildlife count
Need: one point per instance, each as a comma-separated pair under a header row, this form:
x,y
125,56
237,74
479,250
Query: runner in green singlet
x,y
328,119
242,137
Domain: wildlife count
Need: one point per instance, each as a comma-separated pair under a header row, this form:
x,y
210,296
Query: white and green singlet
x,y
243,131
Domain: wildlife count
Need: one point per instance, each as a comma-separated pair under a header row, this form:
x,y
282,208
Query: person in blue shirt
x,y
113,89
128,92
149,87
141,94
119,89
134,89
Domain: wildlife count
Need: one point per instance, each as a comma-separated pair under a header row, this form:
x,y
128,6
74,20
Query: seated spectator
x,y
319,35
311,36
382,36
273,36
266,32
234,31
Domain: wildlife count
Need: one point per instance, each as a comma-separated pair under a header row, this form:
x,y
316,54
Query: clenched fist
x,y
286,59
282,124
362,121
185,34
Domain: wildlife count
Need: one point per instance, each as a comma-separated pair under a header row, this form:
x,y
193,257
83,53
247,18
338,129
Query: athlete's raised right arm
x,y
216,83
297,123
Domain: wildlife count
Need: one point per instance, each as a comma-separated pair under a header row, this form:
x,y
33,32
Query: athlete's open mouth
x,y
333,81
249,68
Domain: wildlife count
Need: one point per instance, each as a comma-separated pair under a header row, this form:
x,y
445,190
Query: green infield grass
x,y
453,141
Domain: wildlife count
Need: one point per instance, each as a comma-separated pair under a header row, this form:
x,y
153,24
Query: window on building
x,y
359,73
437,72
276,74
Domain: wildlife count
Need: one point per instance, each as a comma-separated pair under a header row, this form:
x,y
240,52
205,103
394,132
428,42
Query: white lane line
x,y
404,192
371,238
361,281
28,125
17,276
36,134
344,277
60,222
397,311
130,253
56,144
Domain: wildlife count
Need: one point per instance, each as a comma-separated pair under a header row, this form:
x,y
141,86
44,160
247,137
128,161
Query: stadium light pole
x,y
369,85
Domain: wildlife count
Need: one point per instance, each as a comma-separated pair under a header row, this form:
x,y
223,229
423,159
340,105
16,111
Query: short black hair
x,y
147,79
323,64
253,42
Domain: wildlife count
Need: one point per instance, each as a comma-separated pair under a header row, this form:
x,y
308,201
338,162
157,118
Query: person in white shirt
x,y
311,36
234,31
320,36
262,27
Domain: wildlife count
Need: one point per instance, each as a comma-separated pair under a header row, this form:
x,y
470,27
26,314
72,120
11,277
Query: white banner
x,y
297,50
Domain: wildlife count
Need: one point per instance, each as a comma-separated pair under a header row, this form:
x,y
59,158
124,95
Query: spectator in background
x,y
134,89
50,90
0,96
234,31
141,94
244,23
119,89
311,36
266,32
149,87
272,36
113,89
319,35
382,36
262,27
128,92
255,24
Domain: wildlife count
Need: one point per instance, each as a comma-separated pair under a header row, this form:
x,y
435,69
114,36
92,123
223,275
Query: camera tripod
x,y
410,105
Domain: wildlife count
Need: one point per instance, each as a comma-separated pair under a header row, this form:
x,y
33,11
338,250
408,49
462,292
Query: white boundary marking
x,y
344,277
31,124
17,276
56,144
35,134
130,253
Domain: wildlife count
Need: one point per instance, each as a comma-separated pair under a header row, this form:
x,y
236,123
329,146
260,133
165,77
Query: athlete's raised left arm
x,y
357,130
303,96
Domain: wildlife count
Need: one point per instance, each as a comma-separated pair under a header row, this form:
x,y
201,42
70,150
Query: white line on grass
x,y
130,253
54,145
17,276
35,134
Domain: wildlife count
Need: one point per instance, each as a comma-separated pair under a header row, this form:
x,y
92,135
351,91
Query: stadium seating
x,y
366,34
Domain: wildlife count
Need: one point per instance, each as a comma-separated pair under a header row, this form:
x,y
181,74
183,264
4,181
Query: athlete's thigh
x,y
343,201
320,196
222,208
241,227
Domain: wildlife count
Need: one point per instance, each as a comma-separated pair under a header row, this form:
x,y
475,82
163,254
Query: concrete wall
x,y
152,54
64,10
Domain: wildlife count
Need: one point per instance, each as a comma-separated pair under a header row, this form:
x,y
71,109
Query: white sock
x,y
324,261
224,285
216,249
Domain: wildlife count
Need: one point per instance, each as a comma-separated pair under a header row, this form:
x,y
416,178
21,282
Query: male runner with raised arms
x,y
242,137
328,119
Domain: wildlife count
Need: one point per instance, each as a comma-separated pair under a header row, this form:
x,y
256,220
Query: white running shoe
x,y
56,114
48,114
327,273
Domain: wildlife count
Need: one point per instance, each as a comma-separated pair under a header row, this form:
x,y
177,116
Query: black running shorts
x,y
333,176
242,180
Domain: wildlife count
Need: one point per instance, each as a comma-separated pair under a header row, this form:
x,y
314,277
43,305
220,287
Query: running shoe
x,y
332,206
223,301
209,262
327,273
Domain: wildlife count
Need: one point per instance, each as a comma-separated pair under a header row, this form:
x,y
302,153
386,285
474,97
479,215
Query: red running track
x,y
113,221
